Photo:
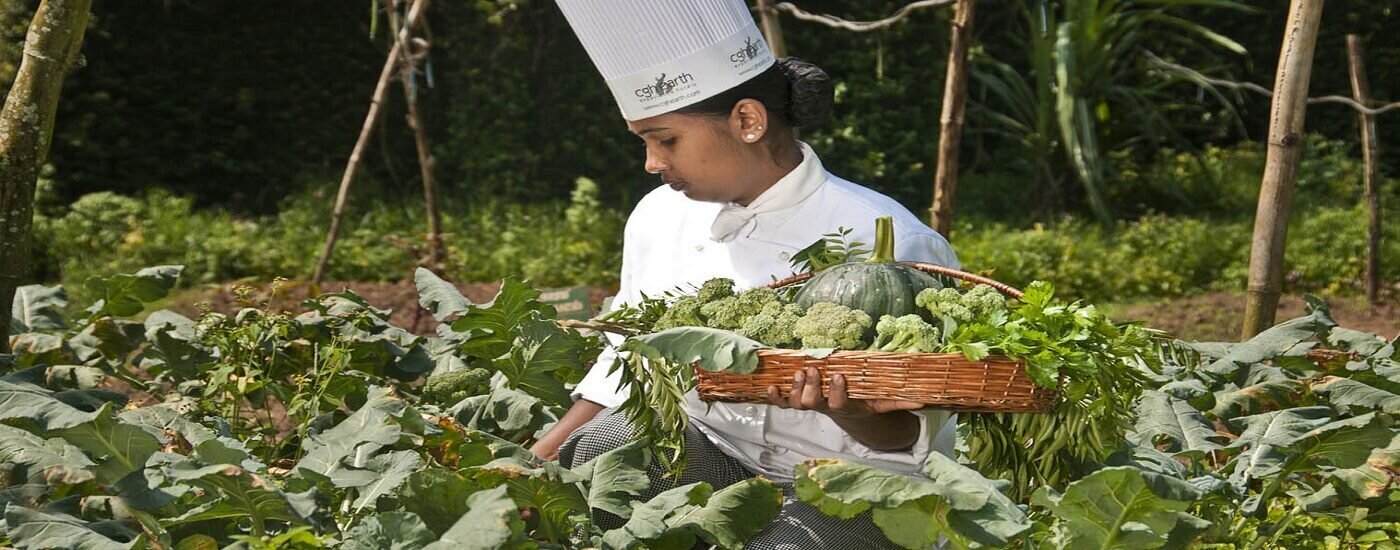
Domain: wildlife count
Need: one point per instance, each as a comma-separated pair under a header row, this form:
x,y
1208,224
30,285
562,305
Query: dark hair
x,y
799,93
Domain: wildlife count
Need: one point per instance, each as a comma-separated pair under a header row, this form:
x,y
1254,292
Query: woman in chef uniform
x,y
740,195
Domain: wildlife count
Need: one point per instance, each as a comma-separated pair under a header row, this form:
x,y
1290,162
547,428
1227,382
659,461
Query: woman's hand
x,y
880,424
806,394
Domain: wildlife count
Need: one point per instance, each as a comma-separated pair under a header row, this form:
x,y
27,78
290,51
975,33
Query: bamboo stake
x,y
353,163
1280,166
1370,154
408,64
772,28
945,180
26,130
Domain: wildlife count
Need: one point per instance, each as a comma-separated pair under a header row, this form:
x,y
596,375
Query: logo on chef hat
x,y
665,85
751,50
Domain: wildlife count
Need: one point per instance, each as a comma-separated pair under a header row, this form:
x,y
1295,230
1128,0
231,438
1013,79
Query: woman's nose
x,y
654,164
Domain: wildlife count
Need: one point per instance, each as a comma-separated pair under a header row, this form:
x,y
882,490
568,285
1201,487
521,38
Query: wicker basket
x,y
940,380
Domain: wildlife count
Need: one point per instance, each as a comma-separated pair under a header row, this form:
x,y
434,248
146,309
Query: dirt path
x,y
1217,317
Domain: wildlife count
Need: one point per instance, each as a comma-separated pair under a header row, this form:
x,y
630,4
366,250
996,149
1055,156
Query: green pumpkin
x,y
877,286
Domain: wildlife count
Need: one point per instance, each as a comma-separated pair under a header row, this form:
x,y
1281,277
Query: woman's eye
x,y
668,142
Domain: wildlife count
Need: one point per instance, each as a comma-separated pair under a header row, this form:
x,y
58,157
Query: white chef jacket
x,y
668,244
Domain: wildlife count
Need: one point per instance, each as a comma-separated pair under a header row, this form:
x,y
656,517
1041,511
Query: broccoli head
x,y
451,387
730,313
684,312
944,303
962,307
906,334
773,324
715,289
984,300
828,325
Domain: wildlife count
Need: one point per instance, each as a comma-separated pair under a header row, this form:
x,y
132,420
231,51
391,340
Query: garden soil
x,y
1205,317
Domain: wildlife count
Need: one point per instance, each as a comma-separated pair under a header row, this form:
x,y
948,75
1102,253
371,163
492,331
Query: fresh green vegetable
x,y
828,325
773,325
685,311
878,286
982,301
449,388
907,334
732,312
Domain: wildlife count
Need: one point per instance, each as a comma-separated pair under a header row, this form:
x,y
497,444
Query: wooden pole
x,y
1280,166
353,164
945,180
408,65
772,28
1370,154
26,130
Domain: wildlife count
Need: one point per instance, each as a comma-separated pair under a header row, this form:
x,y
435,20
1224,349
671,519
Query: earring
x,y
751,137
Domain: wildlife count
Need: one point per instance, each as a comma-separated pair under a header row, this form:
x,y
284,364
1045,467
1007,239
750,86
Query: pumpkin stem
x,y
884,241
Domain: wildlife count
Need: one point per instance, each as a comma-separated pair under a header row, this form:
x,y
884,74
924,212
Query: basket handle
x,y
1004,288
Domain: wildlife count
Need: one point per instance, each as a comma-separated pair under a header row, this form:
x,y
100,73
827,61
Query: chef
x,y
739,196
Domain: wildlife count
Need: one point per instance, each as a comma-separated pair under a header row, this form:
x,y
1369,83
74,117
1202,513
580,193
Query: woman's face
x,y
700,156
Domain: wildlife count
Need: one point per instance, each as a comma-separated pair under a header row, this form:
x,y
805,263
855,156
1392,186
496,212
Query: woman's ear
x,y
749,120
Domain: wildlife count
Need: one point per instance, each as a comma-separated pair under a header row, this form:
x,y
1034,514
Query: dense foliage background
x,y
239,116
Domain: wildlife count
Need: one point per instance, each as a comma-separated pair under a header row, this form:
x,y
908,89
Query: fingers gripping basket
x,y
939,380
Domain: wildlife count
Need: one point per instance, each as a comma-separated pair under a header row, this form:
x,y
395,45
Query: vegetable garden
x,y
270,429
322,423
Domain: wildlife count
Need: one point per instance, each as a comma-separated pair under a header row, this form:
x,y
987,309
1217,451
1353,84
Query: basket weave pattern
x,y
939,380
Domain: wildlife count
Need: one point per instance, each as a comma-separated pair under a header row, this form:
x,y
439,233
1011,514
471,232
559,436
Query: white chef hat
x,y
660,55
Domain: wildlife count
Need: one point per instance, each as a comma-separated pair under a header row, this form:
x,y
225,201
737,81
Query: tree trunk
x,y
408,65
1280,166
772,28
945,180
353,164
1370,154
26,130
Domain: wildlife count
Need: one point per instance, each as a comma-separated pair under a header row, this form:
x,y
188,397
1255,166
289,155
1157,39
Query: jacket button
x,y
751,410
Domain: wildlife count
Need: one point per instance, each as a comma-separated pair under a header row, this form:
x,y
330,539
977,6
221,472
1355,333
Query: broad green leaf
x,y
393,469
174,345
676,518
231,492
35,529
714,349
617,477
1355,341
438,296
1353,396
1263,388
504,411
21,397
1192,391
1376,477
438,496
125,295
1272,343
118,447
492,326
548,490
37,308
541,349
1118,507
1279,428
957,502
51,462
163,419
1163,418
389,531
107,339
492,521
81,377
375,425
